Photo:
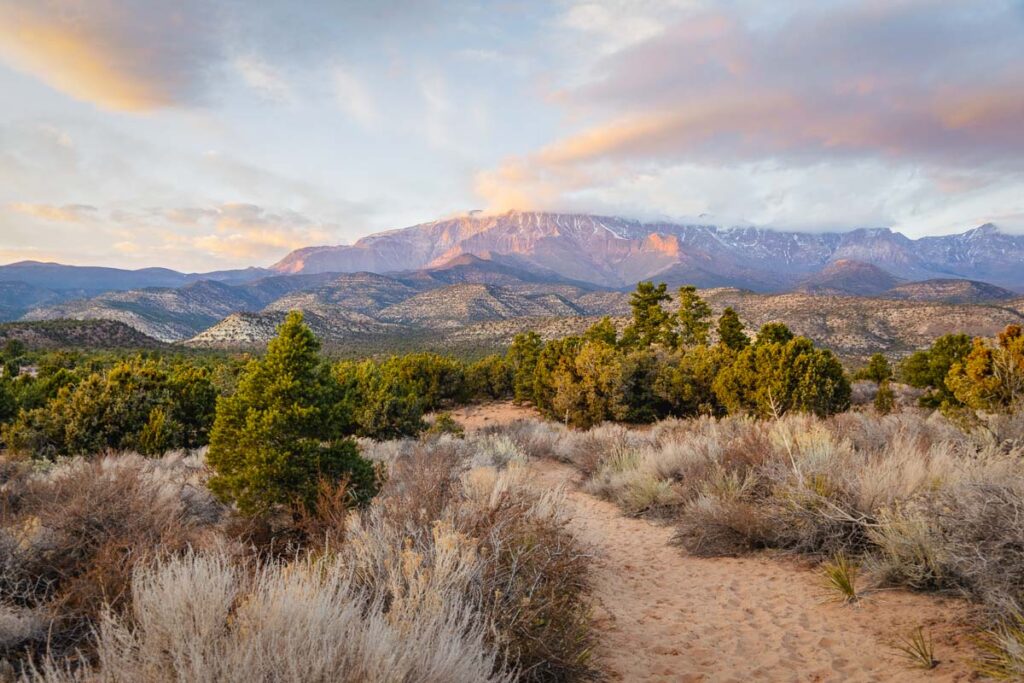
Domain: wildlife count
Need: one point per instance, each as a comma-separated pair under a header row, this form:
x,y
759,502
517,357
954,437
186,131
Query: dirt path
x,y
664,616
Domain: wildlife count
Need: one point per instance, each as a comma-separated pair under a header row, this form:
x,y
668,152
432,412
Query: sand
x,y
480,415
665,616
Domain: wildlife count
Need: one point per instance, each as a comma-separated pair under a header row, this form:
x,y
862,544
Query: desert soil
x,y
662,615
665,616
480,415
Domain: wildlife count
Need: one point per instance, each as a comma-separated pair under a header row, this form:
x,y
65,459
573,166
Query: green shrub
x,y
877,370
376,403
491,377
282,432
138,404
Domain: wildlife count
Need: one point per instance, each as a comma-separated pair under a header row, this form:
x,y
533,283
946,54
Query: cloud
x,y
263,78
247,231
927,83
353,96
189,237
909,79
67,213
126,56
613,25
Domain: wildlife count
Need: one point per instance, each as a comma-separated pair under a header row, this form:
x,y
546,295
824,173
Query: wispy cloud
x,y
193,237
925,83
67,213
353,96
123,56
263,77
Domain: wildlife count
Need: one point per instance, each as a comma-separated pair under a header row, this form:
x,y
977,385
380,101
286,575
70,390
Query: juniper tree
x,y
730,331
522,359
694,316
283,431
651,323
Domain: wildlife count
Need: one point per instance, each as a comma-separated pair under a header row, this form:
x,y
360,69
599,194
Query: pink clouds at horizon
x,y
933,83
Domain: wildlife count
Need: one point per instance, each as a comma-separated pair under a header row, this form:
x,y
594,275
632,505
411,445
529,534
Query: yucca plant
x,y
841,577
1001,650
917,648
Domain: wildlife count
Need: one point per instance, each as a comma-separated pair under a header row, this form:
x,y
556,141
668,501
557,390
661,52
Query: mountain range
x,y
618,252
481,278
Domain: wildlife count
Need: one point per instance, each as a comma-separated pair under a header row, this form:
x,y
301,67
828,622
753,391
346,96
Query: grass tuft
x,y
1001,650
917,648
840,575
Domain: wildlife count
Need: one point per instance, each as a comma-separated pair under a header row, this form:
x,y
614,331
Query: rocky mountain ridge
x,y
617,252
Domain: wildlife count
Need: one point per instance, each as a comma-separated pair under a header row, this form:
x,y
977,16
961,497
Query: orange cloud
x,y
842,83
246,231
68,213
100,52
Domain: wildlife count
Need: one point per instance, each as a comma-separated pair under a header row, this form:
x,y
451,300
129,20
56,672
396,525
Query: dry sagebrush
x,y
458,571
926,504
71,536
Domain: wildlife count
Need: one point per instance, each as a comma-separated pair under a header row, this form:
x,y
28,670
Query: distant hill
x,y
460,305
77,334
254,330
847,276
856,327
94,280
952,291
18,298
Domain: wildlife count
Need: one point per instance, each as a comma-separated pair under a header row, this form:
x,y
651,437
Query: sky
x,y
210,134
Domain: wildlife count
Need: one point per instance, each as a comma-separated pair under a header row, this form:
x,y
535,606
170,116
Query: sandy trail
x,y
665,616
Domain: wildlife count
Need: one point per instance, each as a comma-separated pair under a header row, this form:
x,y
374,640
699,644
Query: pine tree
x,y
281,433
774,333
877,370
694,317
991,376
730,331
602,331
885,399
651,323
928,369
522,359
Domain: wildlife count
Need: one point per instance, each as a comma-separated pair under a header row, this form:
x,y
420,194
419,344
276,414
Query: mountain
x,y
18,298
951,291
95,280
846,276
249,330
617,252
856,327
474,320
160,312
77,334
460,305
175,313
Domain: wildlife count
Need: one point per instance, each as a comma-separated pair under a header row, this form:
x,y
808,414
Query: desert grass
x,y
460,570
1002,649
913,499
917,649
840,577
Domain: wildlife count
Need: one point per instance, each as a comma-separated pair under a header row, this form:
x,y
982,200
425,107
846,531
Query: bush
x,y
136,405
444,423
490,378
991,376
877,370
282,432
375,402
200,617
929,368
70,539
771,379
